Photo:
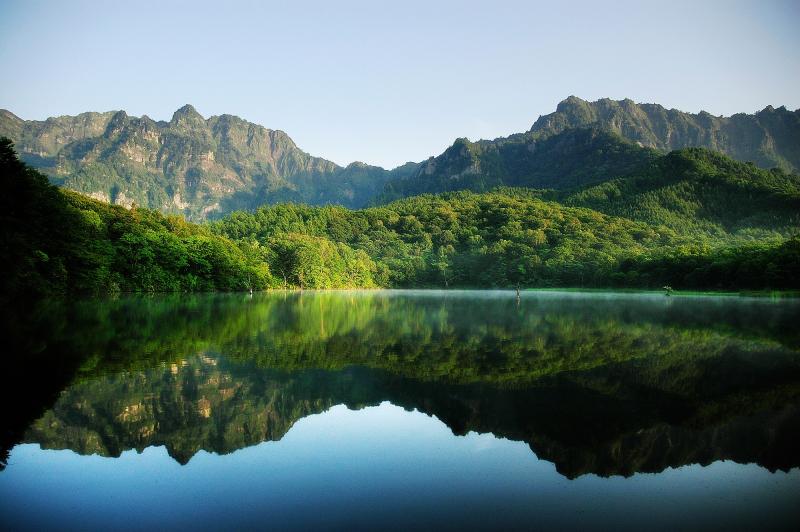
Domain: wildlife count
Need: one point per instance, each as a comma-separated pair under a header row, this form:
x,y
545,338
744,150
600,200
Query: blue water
x,y
379,465
140,441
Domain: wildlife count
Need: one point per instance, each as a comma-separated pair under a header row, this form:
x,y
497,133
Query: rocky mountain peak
x,y
570,102
186,115
5,113
189,165
766,138
117,122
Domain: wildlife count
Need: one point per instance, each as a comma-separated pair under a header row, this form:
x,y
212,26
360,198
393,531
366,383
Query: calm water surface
x,y
400,409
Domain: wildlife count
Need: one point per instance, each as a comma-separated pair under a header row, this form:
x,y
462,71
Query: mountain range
x,y
769,138
205,168
585,143
189,165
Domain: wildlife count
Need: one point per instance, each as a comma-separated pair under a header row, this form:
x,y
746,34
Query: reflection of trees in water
x,y
441,334
596,385
208,403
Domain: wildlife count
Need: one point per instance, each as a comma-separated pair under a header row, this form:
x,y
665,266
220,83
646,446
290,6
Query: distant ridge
x,y
585,143
769,138
190,165
204,168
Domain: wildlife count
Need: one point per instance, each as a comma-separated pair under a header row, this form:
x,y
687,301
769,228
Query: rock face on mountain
x,y
40,141
585,143
190,165
208,167
769,138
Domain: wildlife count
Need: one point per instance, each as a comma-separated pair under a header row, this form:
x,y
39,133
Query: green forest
x,y
690,219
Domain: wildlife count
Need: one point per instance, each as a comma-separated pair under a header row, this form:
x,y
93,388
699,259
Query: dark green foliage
x,y
700,192
35,232
690,219
750,266
55,241
512,236
570,159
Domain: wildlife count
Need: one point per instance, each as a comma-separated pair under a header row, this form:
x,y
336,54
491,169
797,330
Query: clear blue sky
x,y
390,82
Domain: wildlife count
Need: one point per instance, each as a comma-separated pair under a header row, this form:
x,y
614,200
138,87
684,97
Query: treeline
x,y
751,266
509,238
56,241
459,239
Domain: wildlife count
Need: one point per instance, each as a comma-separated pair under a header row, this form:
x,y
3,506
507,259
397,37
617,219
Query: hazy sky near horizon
x,y
389,82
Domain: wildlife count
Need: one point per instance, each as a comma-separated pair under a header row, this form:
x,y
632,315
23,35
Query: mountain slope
x,y
582,143
723,226
40,141
189,165
769,138
569,159
698,191
208,167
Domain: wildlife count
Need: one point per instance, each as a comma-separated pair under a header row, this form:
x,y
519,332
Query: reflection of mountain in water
x,y
206,403
595,385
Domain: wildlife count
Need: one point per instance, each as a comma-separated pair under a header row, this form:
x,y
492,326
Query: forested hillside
x,y
57,241
511,237
54,241
592,142
570,159
691,218
700,192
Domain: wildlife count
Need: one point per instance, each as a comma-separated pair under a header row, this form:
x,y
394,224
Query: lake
x,y
402,409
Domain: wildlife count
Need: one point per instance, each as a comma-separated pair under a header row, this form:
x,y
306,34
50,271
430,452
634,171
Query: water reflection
x,y
378,468
599,383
